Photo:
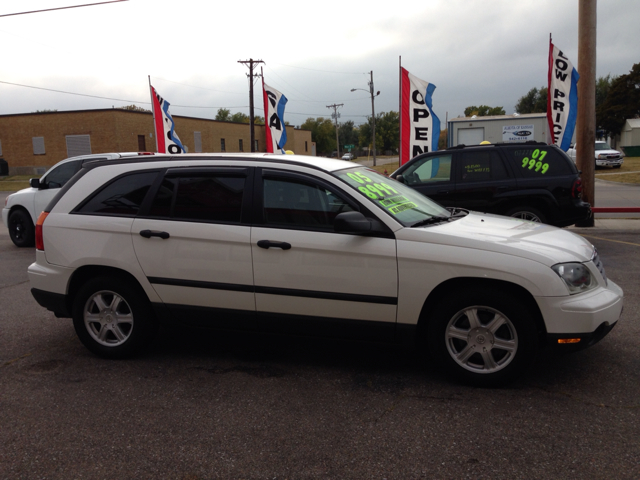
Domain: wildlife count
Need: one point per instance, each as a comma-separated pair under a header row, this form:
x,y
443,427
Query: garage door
x,y
470,136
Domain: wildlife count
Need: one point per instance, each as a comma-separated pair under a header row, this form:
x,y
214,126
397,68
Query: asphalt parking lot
x,y
202,405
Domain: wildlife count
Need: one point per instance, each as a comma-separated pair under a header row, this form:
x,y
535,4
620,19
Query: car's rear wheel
x,y
21,229
112,317
483,337
527,213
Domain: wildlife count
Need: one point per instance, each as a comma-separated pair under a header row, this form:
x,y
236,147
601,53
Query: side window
x,y
62,174
540,161
122,197
200,198
481,167
294,204
429,170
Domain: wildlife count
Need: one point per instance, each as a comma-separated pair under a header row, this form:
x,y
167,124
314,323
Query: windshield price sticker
x,y
377,191
536,161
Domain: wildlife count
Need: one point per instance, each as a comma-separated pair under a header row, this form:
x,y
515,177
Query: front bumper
x,y
609,162
585,318
5,217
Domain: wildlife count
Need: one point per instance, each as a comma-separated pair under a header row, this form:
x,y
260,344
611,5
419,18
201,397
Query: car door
x,y
310,279
433,176
193,244
483,183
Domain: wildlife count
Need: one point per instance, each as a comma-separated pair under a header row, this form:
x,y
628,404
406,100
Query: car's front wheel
x,y
482,336
21,229
527,213
112,317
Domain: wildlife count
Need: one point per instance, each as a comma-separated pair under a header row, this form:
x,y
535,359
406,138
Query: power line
x,y
62,8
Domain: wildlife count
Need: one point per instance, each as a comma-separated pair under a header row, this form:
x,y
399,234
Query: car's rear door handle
x,y
443,192
154,233
269,243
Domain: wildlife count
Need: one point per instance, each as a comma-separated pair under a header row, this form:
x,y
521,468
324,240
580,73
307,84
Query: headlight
x,y
576,277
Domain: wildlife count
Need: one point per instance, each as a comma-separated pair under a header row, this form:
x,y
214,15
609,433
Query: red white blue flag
x,y
275,129
419,126
167,140
562,98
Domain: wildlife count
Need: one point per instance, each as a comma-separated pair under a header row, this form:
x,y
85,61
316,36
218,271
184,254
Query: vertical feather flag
x,y
419,125
275,129
167,140
562,98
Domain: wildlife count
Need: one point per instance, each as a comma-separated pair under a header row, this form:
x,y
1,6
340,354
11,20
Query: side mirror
x,y
401,179
35,183
352,222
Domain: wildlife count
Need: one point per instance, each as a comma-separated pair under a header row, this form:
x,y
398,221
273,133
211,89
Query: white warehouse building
x,y
498,128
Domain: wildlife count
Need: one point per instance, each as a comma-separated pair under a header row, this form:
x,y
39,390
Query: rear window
x,y
122,197
539,161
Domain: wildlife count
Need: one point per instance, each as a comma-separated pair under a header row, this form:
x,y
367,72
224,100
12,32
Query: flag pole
x,y
400,107
153,111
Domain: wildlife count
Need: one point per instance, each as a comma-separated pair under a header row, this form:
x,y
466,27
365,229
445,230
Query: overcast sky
x,y
476,52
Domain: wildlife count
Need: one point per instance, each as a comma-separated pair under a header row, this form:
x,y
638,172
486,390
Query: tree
x,y
223,115
622,102
135,108
483,111
348,134
387,132
322,132
239,117
535,101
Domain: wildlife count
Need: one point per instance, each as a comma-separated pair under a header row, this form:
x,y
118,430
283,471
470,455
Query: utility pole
x,y
373,117
586,122
335,116
251,62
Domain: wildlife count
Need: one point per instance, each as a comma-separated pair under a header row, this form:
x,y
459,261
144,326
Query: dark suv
x,y
531,180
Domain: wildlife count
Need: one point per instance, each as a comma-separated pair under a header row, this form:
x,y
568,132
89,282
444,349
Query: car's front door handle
x,y
154,233
443,192
269,243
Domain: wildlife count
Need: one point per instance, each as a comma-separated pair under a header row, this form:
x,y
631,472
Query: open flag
x,y
419,126
167,140
562,98
275,130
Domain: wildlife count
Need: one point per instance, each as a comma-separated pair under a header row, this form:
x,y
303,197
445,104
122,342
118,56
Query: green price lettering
x,y
389,188
368,193
355,177
535,163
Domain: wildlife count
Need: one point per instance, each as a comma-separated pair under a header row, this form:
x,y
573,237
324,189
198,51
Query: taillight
x,y
576,190
39,238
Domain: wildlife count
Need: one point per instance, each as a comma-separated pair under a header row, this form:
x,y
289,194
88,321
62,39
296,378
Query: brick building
x,y
32,142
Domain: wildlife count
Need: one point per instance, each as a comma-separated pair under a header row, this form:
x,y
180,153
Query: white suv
x,y
280,243
21,209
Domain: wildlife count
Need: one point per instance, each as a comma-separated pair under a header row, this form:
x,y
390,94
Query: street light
x,y
373,113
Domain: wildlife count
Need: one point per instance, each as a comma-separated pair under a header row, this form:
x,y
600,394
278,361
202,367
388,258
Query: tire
x,y
527,213
113,318
21,229
484,337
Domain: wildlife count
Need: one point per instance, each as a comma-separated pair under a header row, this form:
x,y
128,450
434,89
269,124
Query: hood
x,y
510,236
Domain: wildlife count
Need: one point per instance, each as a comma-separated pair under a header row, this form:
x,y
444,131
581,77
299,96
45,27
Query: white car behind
x,y
21,209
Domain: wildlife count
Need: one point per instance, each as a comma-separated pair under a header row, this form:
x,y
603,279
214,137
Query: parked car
x,y
533,181
306,245
21,209
605,155
348,156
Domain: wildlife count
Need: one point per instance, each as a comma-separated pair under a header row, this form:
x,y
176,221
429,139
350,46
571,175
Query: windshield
x,y
602,146
403,203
